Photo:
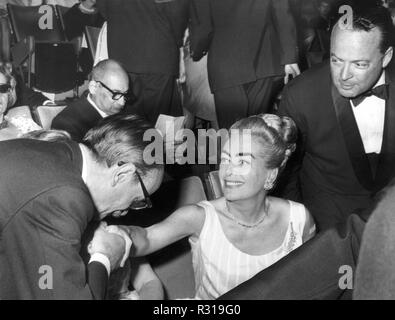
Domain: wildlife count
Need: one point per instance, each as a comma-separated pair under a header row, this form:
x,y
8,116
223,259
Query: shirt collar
x,y
381,80
103,114
84,174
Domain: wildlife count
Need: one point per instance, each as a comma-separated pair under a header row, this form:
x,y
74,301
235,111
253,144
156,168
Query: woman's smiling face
x,y
242,170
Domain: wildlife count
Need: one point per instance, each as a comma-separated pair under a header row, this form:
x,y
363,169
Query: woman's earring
x,y
268,185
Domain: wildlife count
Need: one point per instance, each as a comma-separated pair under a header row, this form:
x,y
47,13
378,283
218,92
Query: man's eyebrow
x,y
333,55
359,60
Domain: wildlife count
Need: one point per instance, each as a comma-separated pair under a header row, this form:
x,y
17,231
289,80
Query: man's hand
x,y
89,5
128,242
291,70
109,244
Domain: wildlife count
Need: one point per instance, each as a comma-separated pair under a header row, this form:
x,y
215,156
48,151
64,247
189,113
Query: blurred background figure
x,y
11,127
252,51
145,36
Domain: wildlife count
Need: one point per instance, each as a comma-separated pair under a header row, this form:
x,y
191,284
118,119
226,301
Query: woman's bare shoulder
x,y
279,204
218,204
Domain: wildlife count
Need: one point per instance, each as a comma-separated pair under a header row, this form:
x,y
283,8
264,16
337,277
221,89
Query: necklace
x,y
230,216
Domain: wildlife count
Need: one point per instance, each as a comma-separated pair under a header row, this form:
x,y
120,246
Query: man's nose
x,y
122,101
346,72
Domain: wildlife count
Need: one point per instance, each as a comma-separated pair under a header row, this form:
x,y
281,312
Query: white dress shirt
x,y
370,115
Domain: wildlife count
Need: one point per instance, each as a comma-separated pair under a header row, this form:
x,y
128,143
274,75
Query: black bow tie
x,y
379,91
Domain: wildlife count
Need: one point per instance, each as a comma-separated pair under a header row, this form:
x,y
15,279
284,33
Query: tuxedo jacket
x,y
145,35
331,165
245,40
44,209
77,118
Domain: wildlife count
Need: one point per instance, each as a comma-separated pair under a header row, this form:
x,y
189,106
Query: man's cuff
x,y
48,102
86,10
103,259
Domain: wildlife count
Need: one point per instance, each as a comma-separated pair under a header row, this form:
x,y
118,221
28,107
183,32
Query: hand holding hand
x,y
110,244
128,242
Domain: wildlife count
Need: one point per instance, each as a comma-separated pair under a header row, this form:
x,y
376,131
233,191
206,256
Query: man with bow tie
x,y
345,111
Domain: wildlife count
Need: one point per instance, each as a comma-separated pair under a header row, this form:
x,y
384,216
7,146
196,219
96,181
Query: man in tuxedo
x,y
345,112
145,36
108,89
50,191
251,44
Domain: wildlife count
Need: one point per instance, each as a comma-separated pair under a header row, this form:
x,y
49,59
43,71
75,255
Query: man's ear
x,y
92,87
388,56
122,172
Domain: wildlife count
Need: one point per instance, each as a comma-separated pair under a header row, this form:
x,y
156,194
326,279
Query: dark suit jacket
x,y
77,119
375,276
145,35
245,40
333,169
44,210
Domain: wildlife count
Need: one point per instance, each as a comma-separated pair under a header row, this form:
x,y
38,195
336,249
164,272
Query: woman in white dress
x,y
246,231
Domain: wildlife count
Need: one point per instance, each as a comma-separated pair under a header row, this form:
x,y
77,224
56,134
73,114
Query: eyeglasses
x,y
144,203
5,87
115,94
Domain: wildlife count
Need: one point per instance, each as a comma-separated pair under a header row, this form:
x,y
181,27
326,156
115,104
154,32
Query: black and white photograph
x,y
197,153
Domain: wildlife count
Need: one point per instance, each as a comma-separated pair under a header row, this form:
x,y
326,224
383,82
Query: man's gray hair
x,y
119,139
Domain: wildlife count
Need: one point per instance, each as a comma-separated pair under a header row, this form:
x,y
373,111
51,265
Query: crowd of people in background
x,y
317,98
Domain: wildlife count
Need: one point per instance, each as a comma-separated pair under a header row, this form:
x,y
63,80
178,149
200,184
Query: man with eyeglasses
x,y
51,191
108,91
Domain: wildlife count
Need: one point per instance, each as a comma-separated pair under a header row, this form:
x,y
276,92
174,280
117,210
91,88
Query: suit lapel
x,y
91,115
352,138
387,155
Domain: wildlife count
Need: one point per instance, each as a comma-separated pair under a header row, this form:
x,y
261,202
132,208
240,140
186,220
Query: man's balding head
x,y
107,79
